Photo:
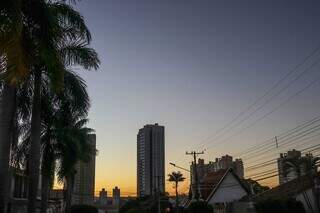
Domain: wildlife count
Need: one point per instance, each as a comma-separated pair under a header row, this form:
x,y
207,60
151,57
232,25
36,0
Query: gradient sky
x,y
192,66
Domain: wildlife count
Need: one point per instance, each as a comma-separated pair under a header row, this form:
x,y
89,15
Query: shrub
x,y
131,206
199,206
83,209
277,205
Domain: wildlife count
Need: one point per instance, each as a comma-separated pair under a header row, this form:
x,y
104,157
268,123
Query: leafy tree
x,y
83,209
176,177
283,206
131,206
257,187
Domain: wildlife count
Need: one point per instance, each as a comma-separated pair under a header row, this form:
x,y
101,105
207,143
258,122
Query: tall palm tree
x,y
78,99
14,66
38,37
176,177
72,103
62,39
75,145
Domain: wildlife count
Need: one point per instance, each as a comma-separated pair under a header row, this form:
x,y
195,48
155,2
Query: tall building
x,y
83,189
150,160
116,196
292,164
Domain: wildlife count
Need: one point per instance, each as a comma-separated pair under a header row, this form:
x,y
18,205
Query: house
x,y
221,188
304,189
224,187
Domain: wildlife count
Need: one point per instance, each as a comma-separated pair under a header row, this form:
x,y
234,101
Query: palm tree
x,y
78,99
14,66
176,177
75,145
38,38
59,45
56,130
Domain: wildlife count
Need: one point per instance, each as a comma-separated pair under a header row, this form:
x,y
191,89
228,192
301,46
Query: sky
x,y
193,66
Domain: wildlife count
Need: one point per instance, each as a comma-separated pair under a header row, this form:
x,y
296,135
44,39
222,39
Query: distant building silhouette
x,y
103,197
223,163
150,160
84,180
116,196
227,161
292,165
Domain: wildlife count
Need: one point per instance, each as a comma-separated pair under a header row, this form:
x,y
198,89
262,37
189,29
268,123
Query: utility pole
x,y
196,188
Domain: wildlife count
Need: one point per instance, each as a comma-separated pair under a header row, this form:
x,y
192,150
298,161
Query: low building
x,y
222,187
18,199
305,189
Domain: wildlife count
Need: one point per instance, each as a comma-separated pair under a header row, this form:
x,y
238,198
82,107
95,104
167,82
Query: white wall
x,y
228,191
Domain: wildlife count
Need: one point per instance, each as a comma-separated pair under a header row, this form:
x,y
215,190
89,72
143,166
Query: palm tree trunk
x,y
6,120
177,197
34,161
70,180
44,192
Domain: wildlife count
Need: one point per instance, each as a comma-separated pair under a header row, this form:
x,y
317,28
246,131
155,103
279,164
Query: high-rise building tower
x,y
150,160
83,189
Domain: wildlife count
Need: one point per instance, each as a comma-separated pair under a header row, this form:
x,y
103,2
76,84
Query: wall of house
x,y
228,191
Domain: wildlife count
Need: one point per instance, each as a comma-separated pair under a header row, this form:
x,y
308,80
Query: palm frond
x,y
69,17
77,53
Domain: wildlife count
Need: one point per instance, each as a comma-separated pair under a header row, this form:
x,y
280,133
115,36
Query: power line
x,y
268,177
291,71
272,111
273,161
280,136
272,97
294,140
295,147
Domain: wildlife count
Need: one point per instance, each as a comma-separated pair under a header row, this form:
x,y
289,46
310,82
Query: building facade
x,y
84,180
292,164
150,160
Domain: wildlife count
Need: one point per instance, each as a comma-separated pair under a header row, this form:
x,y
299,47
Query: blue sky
x,y
192,66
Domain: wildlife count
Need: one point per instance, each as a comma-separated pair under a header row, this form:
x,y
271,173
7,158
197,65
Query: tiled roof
x,y
288,189
211,183
211,179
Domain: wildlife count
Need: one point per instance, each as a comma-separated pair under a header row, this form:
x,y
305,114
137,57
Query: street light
x,y
173,164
